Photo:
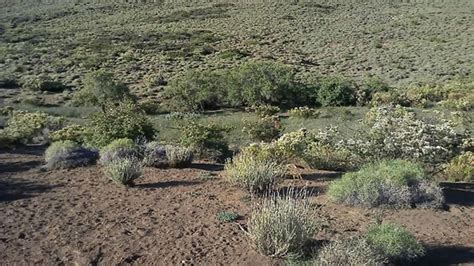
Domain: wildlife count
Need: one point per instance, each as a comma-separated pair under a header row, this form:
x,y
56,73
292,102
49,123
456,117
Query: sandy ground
x,y
169,217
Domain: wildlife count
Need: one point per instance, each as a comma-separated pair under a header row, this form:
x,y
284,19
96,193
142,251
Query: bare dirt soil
x,y
169,217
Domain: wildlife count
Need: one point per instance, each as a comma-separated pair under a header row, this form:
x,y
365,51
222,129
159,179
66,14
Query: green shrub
x,y
265,110
280,226
257,83
394,183
460,168
394,242
151,107
26,127
255,174
369,87
304,112
352,251
336,91
226,216
125,120
42,83
197,91
74,133
100,87
264,129
206,140
123,170
68,154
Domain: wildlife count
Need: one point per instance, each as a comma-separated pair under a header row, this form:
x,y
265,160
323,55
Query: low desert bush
x,y
264,129
125,120
394,242
255,174
265,110
74,133
460,168
304,112
68,154
207,141
151,107
178,157
365,92
226,216
124,170
394,183
336,91
281,225
100,87
326,157
177,116
119,148
163,156
352,251
26,127
42,83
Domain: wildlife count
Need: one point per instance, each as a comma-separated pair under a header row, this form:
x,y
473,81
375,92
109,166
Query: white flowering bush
x,y
394,132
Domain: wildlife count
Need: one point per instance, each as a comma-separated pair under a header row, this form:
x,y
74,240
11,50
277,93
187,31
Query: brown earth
x,y
169,217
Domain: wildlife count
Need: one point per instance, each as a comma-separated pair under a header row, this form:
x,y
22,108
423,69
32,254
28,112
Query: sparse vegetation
x,y
226,216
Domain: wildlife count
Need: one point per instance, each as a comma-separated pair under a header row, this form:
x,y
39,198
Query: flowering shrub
x,y
181,116
393,132
304,112
26,127
264,129
265,110
395,183
327,157
460,168
74,133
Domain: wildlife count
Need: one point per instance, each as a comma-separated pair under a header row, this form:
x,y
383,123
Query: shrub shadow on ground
x,y
451,255
21,189
166,184
15,167
322,176
208,167
458,193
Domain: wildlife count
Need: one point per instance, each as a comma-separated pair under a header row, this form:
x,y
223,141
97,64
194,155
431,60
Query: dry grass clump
x,y
461,168
253,173
178,157
352,251
123,170
281,225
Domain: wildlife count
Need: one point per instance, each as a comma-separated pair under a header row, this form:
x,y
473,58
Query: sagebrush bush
x,y
125,120
281,225
369,87
255,174
351,251
336,91
394,183
394,242
68,154
74,133
178,157
119,148
207,141
264,129
124,170
26,127
460,168
155,155
100,87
